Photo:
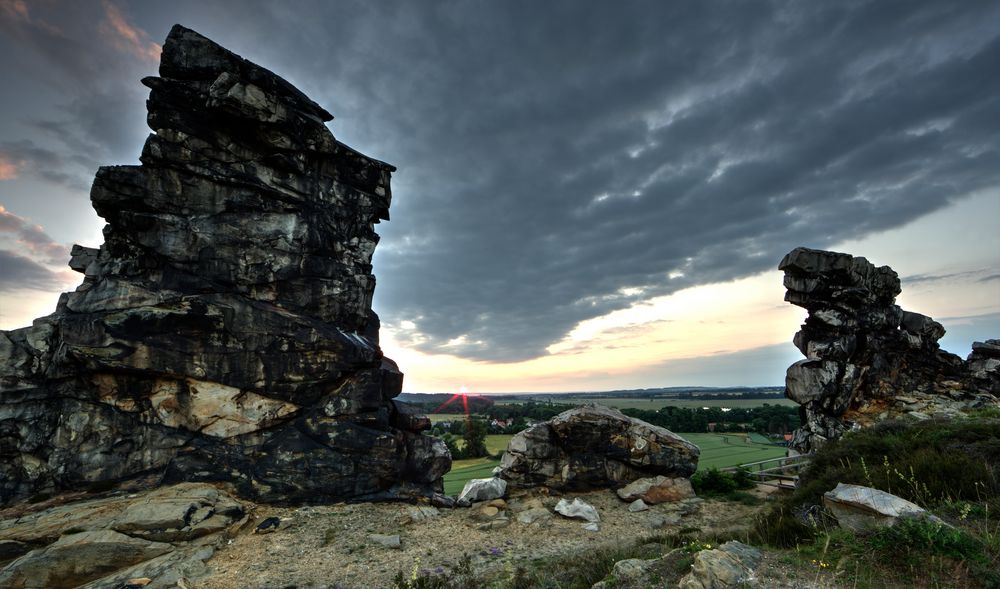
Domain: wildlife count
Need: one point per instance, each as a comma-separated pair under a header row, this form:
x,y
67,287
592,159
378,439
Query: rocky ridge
x,y
868,359
223,331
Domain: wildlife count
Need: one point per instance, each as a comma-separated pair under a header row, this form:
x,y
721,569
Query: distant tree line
x,y
766,419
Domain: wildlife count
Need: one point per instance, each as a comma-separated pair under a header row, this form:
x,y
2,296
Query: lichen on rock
x,y
224,329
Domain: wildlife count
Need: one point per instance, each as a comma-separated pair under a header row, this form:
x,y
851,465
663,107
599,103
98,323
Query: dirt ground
x,y
330,546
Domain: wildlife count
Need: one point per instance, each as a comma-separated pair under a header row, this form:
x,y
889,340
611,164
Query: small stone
x,y
592,527
659,520
386,541
267,526
420,513
483,489
496,524
534,516
577,509
489,511
637,505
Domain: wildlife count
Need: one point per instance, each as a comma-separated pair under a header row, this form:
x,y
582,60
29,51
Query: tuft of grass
x,y
928,462
950,467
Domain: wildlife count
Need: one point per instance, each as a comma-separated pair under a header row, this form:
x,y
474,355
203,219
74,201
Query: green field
x,y
657,403
717,450
474,468
724,450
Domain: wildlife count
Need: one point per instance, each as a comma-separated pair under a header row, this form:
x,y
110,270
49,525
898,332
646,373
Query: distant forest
x,y
766,419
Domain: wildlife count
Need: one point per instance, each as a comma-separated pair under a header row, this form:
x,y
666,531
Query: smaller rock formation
x,y
860,508
593,447
163,535
729,566
863,351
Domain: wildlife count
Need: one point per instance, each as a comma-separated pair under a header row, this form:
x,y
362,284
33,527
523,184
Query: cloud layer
x,y
559,161
573,169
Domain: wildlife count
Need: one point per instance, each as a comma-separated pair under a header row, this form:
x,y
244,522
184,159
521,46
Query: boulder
x,y
726,567
577,509
594,447
223,331
860,508
75,559
638,573
862,350
658,489
164,534
483,490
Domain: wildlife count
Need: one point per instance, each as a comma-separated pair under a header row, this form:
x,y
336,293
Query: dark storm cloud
x,y
18,273
88,56
71,169
561,160
31,239
582,153
948,277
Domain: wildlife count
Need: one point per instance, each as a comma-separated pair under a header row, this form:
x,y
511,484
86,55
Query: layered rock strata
x,y
593,447
224,329
866,358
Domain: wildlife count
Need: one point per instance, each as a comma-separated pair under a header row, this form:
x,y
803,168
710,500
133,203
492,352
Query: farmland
x,y
655,403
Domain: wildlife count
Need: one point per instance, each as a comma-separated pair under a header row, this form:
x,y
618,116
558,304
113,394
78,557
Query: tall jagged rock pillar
x,y
224,329
864,353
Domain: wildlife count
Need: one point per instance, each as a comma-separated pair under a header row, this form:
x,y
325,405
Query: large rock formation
x,y
224,330
593,447
865,356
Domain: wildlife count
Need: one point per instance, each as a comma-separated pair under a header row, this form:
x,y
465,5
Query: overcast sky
x,y
590,195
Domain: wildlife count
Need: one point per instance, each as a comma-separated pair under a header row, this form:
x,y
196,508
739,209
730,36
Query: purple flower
x,y
495,551
439,570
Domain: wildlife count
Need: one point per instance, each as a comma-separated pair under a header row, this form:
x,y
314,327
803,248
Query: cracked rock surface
x,y
223,331
867,358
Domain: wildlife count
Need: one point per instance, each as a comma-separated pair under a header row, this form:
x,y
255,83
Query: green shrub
x,y
716,482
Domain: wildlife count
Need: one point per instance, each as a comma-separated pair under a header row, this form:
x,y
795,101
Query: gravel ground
x,y
330,546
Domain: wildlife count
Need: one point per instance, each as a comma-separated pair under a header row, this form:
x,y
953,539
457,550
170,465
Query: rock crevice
x,y
224,329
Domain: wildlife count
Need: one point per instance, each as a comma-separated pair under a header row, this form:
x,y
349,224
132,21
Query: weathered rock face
x,y
594,447
162,535
224,330
865,356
